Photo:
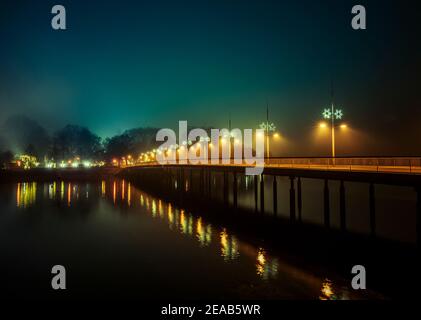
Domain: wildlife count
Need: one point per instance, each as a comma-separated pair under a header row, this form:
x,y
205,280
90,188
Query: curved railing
x,y
354,164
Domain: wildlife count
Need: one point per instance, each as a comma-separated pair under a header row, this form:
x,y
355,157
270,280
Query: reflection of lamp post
x,y
332,114
269,128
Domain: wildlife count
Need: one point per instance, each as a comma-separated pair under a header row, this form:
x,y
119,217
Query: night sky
x,y
124,64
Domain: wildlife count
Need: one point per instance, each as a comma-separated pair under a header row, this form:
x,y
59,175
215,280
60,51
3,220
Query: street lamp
x,y
332,114
269,129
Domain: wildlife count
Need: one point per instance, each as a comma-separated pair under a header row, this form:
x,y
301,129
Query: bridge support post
x,y
262,194
183,179
255,193
372,201
418,214
235,190
183,183
225,188
275,196
292,199
179,184
326,204
169,181
342,208
205,181
299,199
202,182
191,180
209,183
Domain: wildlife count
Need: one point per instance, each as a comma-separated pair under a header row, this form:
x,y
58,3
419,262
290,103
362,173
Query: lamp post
x,y
332,114
269,129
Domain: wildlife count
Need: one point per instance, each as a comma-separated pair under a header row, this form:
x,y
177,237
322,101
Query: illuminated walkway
x,y
409,165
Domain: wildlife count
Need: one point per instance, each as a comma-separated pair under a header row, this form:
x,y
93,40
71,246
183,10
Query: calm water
x,y
395,205
117,241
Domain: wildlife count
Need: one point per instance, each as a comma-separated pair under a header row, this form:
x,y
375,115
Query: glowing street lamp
x,y
269,129
332,114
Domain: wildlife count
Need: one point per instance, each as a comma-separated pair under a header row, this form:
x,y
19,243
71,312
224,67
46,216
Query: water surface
x,y
117,241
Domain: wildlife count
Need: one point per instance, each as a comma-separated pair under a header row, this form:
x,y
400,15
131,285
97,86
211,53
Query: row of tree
x,y
21,135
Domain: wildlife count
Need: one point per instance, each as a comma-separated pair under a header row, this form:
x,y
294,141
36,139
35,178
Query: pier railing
x,y
381,164
355,164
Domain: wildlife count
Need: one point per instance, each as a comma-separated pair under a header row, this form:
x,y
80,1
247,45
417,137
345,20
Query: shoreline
x,y
46,175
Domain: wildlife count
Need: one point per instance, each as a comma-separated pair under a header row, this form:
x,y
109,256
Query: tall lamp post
x,y
269,129
332,114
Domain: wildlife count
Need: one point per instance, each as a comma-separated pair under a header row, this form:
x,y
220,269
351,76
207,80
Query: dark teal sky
x,y
123,64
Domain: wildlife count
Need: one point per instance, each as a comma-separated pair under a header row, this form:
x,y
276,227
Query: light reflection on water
x,y
267,267
229,246
26,194
328,292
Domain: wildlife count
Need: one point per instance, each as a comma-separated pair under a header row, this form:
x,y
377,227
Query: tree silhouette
x,y
76,141
132,142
